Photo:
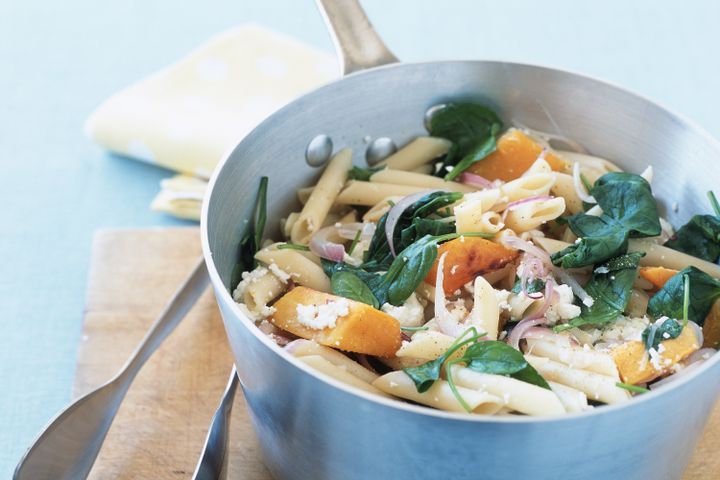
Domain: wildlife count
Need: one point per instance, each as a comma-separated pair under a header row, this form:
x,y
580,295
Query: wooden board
x,y
161,426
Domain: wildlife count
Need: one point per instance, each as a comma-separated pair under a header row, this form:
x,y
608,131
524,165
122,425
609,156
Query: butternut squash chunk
x,y
363,330
711,327
515,153
658,276
468,257
634,363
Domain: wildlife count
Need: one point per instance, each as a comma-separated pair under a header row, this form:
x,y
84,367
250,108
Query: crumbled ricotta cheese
x,y
624,329
281,274
602,269
247,279
502,299
561,306
322,316
453,269
410,314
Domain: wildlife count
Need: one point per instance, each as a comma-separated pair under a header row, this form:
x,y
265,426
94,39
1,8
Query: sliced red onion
x,y
522,201
534,319
324,248
475,180
577,289
363,360
396,211
519,331
542,333
349,230
698,332
699,356
579,187
519,244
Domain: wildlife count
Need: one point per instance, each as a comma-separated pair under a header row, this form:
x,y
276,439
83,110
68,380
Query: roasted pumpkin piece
x,y
468,257
337,322
515,153
636,366
657,275
711,327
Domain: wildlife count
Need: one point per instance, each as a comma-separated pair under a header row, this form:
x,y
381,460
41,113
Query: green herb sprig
x,y
252,236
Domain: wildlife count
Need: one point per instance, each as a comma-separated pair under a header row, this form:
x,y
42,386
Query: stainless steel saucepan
x,y
312,427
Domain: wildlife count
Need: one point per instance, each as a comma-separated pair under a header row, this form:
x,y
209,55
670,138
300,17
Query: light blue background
x,y
58,60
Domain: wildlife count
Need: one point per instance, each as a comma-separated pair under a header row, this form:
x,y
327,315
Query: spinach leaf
x,y
629,211
499,358
473,130
373,281
409,228
700,237
610,291
654,333
360,173
668,301
251,237
426,374
347,284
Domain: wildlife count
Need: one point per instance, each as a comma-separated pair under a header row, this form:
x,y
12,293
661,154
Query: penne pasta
x,y
438,396
259,288
520,396
574,357
302,270
530,186
322,197
572,399
485,314
426,345
370,194
400,177
660,256
322,365
596,386
417,153
303,348
565,187
532,215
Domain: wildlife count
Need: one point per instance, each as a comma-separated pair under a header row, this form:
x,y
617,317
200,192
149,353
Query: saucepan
x,y
312,427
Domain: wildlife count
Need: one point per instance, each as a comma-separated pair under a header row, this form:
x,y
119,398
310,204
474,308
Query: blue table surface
x,y
58,60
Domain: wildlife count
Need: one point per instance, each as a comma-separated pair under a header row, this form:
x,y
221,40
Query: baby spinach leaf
x,y
378,255
700,237
499,358
347,284
629,211
426,374
252,236
609,290
360,173
668,301
373,281
654,334
472,128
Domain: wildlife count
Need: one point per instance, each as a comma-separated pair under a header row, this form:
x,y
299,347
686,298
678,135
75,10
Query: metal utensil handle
x,y
356,41
182,301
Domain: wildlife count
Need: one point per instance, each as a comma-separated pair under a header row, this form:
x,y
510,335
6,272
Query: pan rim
x,y
226,297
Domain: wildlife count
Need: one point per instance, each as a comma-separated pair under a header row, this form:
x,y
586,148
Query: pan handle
x,y
356,41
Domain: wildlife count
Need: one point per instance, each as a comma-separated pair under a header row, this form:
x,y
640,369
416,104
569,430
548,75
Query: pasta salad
x,y
480,270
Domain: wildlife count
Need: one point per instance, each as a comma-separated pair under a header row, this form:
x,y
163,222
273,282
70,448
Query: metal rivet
x,y
319,151
379,149
429,114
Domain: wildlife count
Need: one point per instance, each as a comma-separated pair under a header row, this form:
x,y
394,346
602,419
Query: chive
x,y
454,389
714,203
585,182
391,203
415,329
354,243
686,298
293,246
632,388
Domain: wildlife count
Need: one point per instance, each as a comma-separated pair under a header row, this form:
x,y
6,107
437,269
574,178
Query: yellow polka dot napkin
x,y
188,115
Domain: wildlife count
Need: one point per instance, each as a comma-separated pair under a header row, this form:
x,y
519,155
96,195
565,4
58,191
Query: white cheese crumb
x,y
624,329
322,316
281,274
393,384
602,269
247,279
453,269
562,307
410,314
